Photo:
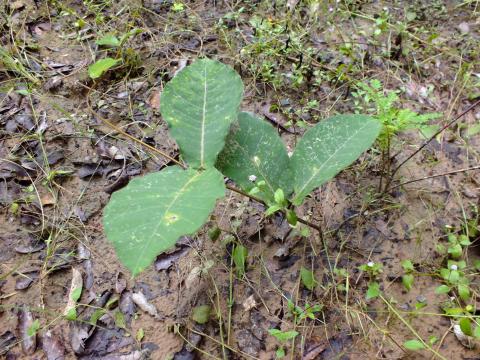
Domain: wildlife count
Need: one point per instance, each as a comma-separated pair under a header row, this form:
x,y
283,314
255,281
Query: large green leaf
x,y
199,104
328,148
253,147
152,212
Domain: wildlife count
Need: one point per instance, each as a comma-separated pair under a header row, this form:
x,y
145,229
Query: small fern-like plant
x,y
201,106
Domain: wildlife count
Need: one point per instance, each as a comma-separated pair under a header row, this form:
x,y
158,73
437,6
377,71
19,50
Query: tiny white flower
x,y
454,267
370,264
290,153
252,178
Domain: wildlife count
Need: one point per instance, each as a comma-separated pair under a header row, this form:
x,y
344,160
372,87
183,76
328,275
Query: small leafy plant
x,y
372,97
201,106
373,270
125,56
282,337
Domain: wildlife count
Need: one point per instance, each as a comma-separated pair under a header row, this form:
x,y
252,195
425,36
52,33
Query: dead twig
x,y
428,141
437,175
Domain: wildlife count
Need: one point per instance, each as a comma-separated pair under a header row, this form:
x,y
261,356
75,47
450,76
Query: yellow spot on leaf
x,y
170,218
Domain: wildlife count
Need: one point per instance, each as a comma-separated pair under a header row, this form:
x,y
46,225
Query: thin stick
x,y
428,141
412,330
437,175
116,128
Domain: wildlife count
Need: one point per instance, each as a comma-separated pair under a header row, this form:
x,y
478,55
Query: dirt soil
x,y
60,161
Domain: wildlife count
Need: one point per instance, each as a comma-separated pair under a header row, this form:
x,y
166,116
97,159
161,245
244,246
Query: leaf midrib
x,y
204,111
180,192
315,173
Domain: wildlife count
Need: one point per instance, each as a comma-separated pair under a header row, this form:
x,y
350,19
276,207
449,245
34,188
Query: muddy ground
x,y
60,161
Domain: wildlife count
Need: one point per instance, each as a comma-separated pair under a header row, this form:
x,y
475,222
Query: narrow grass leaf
x,y
152,212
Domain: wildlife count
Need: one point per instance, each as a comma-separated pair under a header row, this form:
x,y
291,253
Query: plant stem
x,y
303,221
428,141
116,128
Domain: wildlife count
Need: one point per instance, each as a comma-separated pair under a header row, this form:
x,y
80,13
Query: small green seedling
x,y
200,105
408,278
300,314
341,279
454,273
282,337
112,42
457,276
32,329
373,270
372,98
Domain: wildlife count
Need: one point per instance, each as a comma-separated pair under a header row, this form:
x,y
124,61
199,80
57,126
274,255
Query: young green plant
x,y
201,106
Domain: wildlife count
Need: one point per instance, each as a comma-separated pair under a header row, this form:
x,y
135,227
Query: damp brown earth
x,y
68,142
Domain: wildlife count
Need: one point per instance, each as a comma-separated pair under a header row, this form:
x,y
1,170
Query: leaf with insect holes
x,y
328,148
101,66
148,216
199,105
253,147
414,345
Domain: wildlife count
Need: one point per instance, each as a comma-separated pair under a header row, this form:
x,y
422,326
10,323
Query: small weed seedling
x,y
456,276
122,55
200,105
282,337
408,278
372,98
373,270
